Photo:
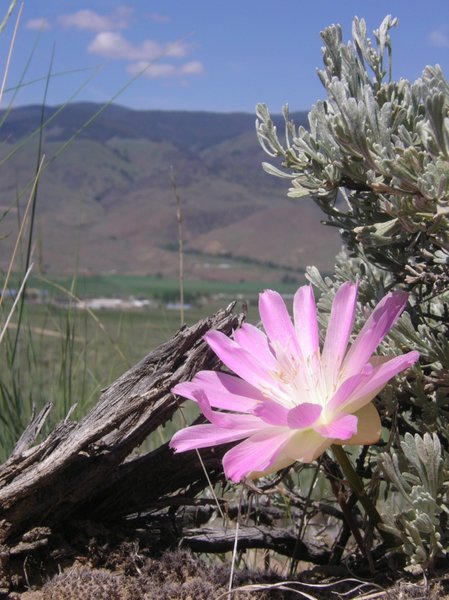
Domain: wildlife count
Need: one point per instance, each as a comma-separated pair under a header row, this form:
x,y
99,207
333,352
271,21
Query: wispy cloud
x,y
38,24
158,18
110,44
92,21
440,37
165,70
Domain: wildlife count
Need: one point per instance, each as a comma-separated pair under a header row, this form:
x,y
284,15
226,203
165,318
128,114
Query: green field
x,y
124,286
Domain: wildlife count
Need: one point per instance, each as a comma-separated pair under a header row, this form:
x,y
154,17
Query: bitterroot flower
x,y
289,400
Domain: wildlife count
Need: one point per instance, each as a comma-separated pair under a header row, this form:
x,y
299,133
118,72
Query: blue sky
x,y
205,55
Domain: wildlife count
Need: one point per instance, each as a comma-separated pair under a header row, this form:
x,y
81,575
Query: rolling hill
x,y
106,201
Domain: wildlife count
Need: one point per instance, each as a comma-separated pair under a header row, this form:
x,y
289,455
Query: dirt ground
x,y
126,574
89,561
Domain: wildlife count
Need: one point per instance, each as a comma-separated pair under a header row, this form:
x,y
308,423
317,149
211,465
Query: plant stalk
x,y
356,485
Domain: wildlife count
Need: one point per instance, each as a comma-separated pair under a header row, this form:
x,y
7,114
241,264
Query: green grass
x,y
118,285
115,285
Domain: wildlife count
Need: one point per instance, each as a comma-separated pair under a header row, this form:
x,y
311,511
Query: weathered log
x,y
32,431
142,483
283,541
73,467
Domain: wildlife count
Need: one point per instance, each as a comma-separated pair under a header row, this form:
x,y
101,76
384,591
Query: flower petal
x,y
259,455
226,420
368,427
341,428
379,378
306,324
222,391
304,415
238,359
256,342
203,436
272,412
276,320
339,329
375,329
347,388
306,446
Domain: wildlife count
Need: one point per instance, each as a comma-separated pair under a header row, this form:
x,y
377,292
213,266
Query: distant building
x,y
114,304
177,306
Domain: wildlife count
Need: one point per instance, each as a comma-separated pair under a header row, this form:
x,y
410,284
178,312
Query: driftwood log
x,y
84,470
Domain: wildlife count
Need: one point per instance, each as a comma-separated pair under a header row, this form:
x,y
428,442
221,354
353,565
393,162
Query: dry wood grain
x,y
79,465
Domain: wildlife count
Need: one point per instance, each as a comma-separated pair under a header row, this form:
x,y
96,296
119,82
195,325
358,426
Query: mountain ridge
x,y
108,202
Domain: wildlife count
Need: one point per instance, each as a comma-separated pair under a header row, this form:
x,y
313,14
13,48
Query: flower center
x,y
299,380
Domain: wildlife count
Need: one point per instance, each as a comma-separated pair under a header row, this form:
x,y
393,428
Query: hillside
x,y
107,203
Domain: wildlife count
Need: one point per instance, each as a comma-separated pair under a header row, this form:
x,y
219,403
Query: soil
x,y
109,568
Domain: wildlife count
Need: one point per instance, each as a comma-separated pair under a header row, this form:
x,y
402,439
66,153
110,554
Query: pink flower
x,y
290,400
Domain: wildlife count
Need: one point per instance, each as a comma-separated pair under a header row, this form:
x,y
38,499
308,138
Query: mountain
x,y
107,200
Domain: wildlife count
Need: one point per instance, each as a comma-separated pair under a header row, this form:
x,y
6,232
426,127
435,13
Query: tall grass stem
x,y
16,300
180,242
11,47
19,235
34,200
8,15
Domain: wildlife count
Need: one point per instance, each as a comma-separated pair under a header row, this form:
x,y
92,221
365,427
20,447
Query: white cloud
x,y
38,24
109,44
92,21
161,70
193,68
440,37
149,56
176,49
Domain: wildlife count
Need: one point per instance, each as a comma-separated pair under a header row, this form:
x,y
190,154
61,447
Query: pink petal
x,y
347,388
222,391
339,329
306,325
375,329
303,415
256,343
259,455
276,320
203,436
342,428
272,412
368,426
237,359
379,378
226,420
